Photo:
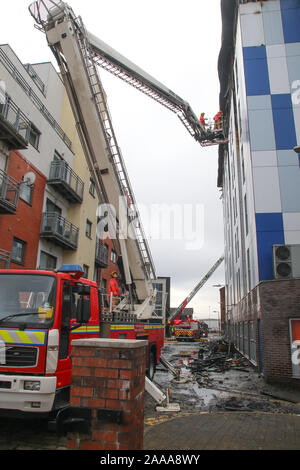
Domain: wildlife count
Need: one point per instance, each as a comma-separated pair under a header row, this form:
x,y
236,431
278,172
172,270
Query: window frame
x,y
92,187
88,229
113,256
23,243
33,131
85,271
31,186
48,256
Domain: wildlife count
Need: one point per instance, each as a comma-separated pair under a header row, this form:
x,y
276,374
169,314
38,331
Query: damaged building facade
x,y
259,173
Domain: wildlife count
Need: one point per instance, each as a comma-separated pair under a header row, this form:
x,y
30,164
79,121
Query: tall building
x,y
34,232
259,173
48,202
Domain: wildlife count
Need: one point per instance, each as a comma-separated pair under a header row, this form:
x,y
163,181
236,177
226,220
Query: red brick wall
x,y
25,223
280,301
106,273
109,378
274,303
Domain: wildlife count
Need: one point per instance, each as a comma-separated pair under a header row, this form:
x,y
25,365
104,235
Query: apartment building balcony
x,y
101,255
9,193
60,231
66,181
14,124
4,259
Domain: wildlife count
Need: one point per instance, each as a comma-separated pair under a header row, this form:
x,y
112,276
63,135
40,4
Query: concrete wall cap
x,y
110,343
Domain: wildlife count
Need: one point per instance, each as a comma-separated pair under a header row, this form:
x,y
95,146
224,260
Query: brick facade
x,y
106,272
109,375
25,223
273,304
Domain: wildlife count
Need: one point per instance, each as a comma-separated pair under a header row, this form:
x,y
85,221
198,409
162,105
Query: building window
x,y
34,136
113,256
18,251
92,188
88,229
47,261
85,271
26,191
106,250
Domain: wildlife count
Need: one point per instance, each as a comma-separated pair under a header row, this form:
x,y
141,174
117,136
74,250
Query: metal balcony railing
x,y
14,124
4,259
66,181
9,193
18,77
101,255
59,230
37,80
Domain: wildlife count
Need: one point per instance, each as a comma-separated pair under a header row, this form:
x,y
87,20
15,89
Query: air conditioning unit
x,y
286,261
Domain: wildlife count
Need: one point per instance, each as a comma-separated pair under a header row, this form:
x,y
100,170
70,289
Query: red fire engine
x,y
190,330
41,313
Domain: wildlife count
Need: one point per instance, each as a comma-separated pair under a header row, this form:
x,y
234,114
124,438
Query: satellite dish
x,y
29,178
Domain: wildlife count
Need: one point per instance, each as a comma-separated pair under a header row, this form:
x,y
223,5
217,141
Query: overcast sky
x,y
178,43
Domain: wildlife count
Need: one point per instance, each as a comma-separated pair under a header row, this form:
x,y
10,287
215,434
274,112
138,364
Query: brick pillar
x,y
108,375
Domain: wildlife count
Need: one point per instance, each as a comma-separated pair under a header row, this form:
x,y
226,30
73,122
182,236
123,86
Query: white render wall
x,y
50,140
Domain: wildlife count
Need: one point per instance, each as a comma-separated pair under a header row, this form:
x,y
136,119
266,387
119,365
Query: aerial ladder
x,y
47,12
177,313
70,44
190,329
78,54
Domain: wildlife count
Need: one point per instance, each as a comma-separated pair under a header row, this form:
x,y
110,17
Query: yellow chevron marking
x,y
40,336
23,337
6,336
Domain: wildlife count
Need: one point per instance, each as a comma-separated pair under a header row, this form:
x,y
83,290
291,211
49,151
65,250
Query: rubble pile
x,y
214,376
216,357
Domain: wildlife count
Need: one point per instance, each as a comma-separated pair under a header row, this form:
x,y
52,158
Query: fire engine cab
x,y
41,312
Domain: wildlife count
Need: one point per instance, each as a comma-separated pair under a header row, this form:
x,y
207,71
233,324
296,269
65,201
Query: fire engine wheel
x,y
152,365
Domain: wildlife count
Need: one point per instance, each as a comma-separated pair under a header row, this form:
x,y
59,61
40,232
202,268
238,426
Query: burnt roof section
x,y
229,9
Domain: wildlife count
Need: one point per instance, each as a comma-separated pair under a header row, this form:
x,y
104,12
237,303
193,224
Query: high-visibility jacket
x,y
202,120
218,117
113,288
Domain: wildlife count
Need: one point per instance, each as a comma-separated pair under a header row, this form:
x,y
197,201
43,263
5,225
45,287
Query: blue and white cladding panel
x,y
270,32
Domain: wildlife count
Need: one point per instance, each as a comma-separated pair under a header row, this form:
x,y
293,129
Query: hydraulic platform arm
x,y
45,11
196,289
78,54
69,42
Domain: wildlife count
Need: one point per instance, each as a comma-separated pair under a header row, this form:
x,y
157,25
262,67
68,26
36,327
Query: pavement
x,y
273,426
223,431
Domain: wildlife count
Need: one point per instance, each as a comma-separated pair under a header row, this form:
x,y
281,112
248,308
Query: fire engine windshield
x,y
27,300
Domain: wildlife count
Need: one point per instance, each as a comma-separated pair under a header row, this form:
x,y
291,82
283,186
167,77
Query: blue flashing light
x,y
74,269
